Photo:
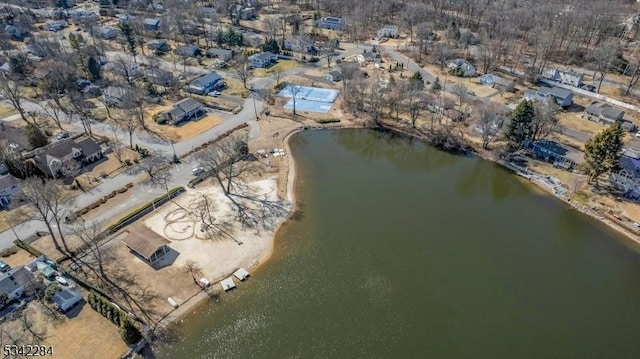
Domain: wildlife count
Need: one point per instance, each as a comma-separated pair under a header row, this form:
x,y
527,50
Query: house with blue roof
x,y
561,156
564,98
205,84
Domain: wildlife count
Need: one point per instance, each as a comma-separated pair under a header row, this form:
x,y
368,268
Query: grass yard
x,y
186,130
235,88
14,216
87,334
282,66
573,121
6,111
108,167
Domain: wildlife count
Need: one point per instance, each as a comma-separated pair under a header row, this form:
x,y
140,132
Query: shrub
x,y
328,120
51,290
129,333
9,251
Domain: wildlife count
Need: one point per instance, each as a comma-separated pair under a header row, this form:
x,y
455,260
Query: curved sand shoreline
x,y
291,177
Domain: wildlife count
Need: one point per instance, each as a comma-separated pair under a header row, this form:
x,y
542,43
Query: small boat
x,y
172,302
228,284
241,274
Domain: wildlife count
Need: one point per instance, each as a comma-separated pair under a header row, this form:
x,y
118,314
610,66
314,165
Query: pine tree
x,y
519,129
435,87
129,39
94,69
35,136
602,152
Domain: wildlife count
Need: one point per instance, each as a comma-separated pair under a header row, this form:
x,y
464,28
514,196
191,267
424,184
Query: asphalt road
x,y
180,173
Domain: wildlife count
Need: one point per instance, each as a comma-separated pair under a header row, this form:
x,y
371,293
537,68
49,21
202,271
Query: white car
x,y
214,93
196,171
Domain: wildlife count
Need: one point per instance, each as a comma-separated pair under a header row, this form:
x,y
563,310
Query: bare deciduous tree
x,y
243,70
490,120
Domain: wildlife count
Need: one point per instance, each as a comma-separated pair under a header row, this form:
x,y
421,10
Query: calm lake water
x,y
404,251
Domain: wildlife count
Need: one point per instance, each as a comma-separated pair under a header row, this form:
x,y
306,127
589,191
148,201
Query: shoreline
x,y
199,299
194,302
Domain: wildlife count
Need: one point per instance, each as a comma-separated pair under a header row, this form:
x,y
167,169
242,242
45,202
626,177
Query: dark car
x,y
4,267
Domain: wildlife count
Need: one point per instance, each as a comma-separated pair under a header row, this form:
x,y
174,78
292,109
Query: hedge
x,y
34,252
328,120
129,333
157,201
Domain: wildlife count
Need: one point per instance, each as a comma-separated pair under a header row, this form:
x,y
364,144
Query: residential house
x,y
46,269
55,26
369,56
330,22
564,98
67,157
160,77
9,187
148,245
151,24
108,32
159,46
298,43
497,82
263,59
16,33
118,97
248,13
190,50
602,112
334,75
462,66
556,153
185,110
565,77
626,176
388,31
221,54
83,16
628,126
67,299
205,84
14,282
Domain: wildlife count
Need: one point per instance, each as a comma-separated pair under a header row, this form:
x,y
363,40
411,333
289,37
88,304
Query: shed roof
x,y
144,241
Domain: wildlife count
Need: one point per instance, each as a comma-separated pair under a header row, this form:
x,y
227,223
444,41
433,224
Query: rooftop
x,y
144,241
554,91
207,79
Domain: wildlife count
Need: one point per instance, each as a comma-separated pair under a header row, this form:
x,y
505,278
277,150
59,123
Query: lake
x,y
404,251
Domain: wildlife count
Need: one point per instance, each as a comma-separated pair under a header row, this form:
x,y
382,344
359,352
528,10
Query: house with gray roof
x,y
67,157
330,22
495,81
160,77
222,54
205,84
626,176
190,50
159,46
462,66
263,59
564,77
14,282
602,112
333,75
151,24
108,32
9,187
185,110
117,96
564,98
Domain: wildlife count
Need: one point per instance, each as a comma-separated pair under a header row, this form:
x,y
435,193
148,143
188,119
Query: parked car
x,y
198,170
4,267
62,281
63,135
214,93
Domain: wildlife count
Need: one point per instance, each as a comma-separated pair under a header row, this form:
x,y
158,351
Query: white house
x,y
205,84
263,59
388,31
9,187
565,77
626,177
467,70
330,22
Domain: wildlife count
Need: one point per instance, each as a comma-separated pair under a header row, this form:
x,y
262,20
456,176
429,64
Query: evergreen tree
x,y
416,82
130,40
36,137
602,152
518,131
95,72
129,333
435,86
272,46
